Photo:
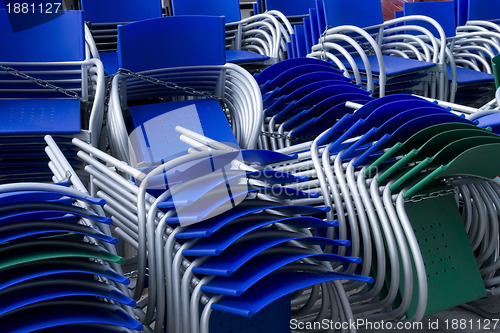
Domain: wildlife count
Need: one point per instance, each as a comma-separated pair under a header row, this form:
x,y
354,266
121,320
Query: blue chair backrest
x,y
484,10
228,8
168,42
360,13
291,8
441,11
98,11
461,10
60,39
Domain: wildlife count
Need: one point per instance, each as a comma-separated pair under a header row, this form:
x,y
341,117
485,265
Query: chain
x,y
322,41
131,275
42,83
170,85
289,137
432,195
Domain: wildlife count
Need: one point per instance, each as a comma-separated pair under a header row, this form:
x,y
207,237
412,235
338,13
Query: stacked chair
x,y
47,78
316,190
221,231
59,269
392,173
375,52
102,21
469,56
254,42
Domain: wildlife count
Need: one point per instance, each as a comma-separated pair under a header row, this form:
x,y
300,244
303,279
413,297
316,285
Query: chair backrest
x,y
291,8
60,39
97,11
483,10
228,8
168,42
441,11
360,13
461,10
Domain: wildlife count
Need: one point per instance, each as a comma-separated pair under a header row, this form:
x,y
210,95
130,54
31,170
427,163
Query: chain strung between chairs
x,y
43,83
169,85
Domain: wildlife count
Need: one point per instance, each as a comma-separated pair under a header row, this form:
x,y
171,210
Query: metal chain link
x,y
322,42
169,84
42,83
432,195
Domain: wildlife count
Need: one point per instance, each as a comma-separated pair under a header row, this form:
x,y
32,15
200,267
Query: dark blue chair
x,y
50,87
104,17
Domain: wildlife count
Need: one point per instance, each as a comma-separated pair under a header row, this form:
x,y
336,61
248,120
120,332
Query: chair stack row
x,y
402,176
59,270
221,223
33,62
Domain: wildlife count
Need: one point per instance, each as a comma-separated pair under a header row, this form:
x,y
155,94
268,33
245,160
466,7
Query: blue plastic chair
x,y
53,52
183,64
368,16
483,10
48,262
250,45
465,79
104,17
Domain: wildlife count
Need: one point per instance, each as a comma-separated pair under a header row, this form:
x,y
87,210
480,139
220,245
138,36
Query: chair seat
x,y
469,76
40,116
393,65
154,137
244,57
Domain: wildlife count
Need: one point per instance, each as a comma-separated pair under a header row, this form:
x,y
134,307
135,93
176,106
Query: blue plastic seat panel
x,y
208,227
222,199
57,313
288,74
407,130
37,196
119,10
41,290
154,138
323,107
262,265
226,236
272,72
85,328
274,287
59,39
469,76
290,8
137,52
302,81
278,104
350,119
492,121
238,254
229,9
40,116
33,270
21,230
316,97
244,57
